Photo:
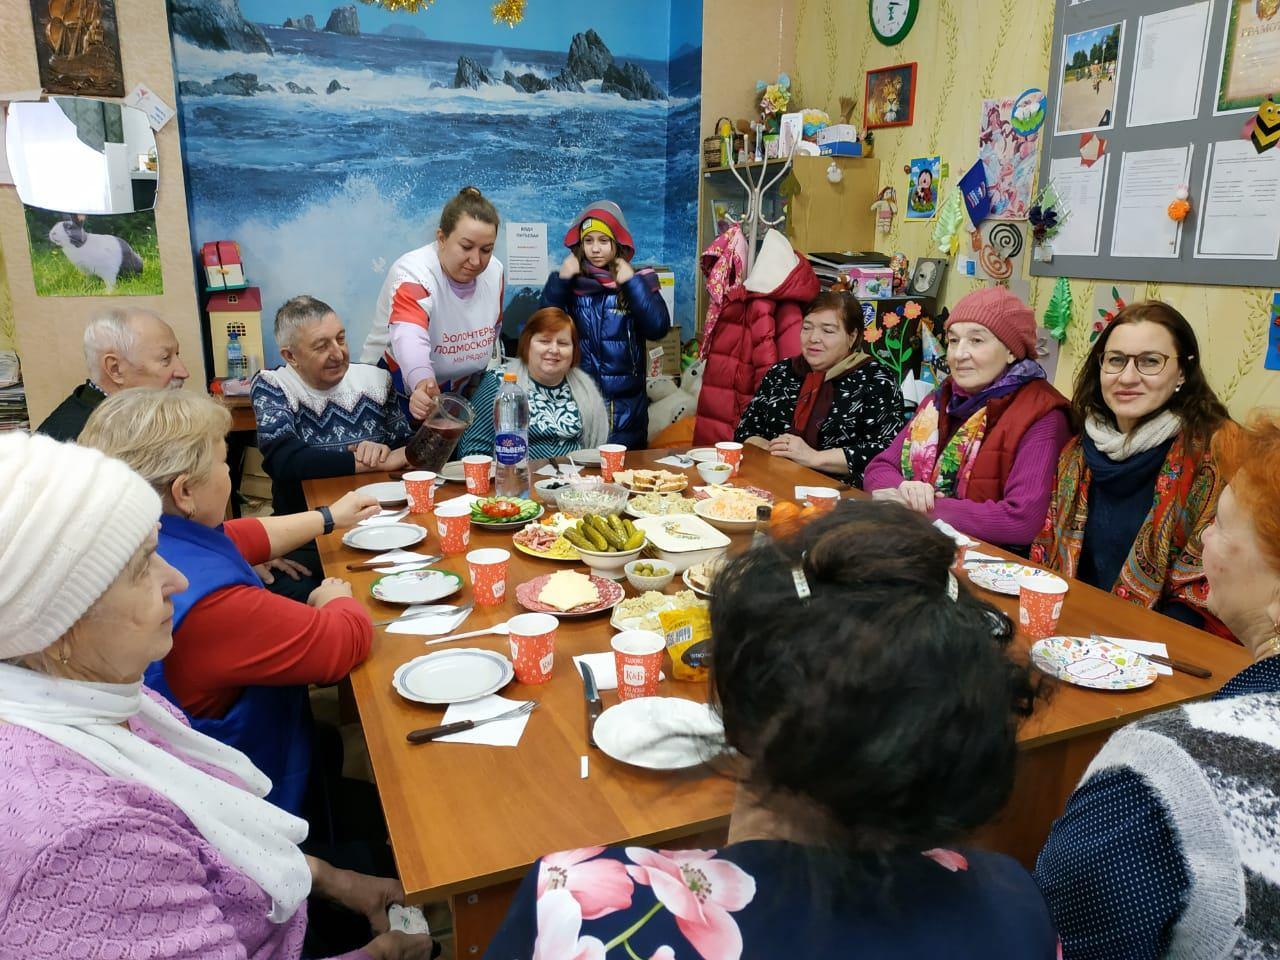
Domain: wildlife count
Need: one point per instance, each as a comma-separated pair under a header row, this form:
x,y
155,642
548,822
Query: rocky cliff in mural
x,y
343,20
216,25
300,23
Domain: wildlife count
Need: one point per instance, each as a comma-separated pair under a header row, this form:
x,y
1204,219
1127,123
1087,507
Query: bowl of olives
x,y
648,574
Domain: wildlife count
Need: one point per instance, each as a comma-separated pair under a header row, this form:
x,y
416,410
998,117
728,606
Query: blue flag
x,y
977,198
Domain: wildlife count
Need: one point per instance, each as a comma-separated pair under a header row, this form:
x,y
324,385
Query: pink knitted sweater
x,y
97,867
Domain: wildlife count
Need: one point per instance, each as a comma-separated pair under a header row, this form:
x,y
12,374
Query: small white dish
x,y
608,565
389,493
659,733
714,473
384,536
452,676
418,586
642,582
703,455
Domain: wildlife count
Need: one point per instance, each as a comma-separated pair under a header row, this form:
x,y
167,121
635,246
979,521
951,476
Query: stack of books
x,y
13,399
830,266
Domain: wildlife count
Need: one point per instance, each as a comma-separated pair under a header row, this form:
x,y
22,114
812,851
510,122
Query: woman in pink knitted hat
x,y
981,450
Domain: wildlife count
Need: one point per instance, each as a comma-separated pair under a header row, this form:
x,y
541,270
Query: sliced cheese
x,y
566,589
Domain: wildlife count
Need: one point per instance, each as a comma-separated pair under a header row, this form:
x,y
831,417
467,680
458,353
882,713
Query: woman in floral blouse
x,y
872,711
566,410
832,408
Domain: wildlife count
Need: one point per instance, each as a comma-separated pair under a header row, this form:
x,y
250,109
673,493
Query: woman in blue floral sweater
x,y
890,733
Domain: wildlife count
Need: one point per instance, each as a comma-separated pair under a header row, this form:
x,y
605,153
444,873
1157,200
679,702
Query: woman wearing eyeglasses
x,y
1137,487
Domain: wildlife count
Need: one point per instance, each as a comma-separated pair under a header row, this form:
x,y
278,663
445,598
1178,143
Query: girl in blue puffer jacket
x,y
616,309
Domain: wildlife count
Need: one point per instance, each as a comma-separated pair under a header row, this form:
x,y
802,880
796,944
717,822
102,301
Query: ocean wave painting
x,y
327,153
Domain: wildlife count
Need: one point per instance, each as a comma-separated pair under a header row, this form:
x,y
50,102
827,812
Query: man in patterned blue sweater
x,y
320,415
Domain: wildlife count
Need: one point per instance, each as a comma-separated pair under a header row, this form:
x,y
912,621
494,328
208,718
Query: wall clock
x,y
892,20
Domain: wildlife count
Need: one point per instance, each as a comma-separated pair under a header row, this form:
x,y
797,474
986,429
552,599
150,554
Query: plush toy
x,y
885,206
669,401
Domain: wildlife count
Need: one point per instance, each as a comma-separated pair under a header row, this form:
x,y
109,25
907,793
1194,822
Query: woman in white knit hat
x,y
123,832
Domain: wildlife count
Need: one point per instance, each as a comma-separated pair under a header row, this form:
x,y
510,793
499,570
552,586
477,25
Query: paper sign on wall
x,y
526,254
158,112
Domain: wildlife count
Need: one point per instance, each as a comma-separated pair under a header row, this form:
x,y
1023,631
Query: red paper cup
x,y
637,656
476,469
1040,604
611,457
420,488
823,498
488,575
533,646
453,519
730,453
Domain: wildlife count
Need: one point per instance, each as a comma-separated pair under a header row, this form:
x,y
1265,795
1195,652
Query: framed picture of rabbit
x,y
74,255
891,97
78,47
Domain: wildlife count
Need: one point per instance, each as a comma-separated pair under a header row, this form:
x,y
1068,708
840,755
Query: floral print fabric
x,y
949,469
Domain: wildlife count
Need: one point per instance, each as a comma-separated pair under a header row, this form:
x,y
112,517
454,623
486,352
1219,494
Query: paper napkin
x,y
449,620
384,516
673,462
1144,647
504,733
955,534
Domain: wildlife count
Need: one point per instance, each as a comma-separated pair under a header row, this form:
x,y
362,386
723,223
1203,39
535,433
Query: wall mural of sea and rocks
x,y
326,140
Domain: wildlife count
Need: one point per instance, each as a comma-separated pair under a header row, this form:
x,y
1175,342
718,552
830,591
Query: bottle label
x,y
510,448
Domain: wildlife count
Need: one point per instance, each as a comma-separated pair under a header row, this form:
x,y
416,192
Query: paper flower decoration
x,y
1180,206
1044,222
946,232
774,96
1057,315
815,120
1106,316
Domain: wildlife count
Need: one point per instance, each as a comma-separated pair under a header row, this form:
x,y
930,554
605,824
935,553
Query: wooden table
x,y
467,821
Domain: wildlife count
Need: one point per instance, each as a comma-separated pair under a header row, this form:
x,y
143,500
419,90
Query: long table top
x,y
463,817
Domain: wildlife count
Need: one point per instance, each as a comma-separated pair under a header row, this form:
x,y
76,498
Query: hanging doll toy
x,y
885,207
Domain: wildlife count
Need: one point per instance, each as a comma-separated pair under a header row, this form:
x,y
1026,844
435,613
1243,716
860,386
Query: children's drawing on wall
x,y
74,255
327,144
922,188
1008,140
1087,85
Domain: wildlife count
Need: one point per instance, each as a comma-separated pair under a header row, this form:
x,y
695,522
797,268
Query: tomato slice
x,y
501,508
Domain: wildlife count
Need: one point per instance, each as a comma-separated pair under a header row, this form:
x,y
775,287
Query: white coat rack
x,y
754,217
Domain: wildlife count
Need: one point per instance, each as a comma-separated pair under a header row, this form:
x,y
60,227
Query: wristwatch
x,y
327,517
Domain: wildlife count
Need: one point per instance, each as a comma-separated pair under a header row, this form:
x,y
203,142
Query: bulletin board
x,y
1160,132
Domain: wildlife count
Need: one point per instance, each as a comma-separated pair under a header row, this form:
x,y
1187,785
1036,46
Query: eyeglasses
x,y
1148,364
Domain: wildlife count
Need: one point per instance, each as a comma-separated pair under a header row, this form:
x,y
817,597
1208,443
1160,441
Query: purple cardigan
x,y
95,866
1012,521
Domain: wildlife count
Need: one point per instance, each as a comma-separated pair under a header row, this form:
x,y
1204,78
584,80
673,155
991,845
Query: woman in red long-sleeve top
x,y
242,657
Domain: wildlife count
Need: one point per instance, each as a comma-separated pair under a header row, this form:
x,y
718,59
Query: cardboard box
x,y
213,278
871,283
840,148
836,132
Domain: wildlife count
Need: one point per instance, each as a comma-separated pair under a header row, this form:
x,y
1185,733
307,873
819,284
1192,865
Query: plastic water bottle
x,y
511,439
235,355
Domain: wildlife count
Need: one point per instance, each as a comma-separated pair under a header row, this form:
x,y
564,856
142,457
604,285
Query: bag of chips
x,y
688,635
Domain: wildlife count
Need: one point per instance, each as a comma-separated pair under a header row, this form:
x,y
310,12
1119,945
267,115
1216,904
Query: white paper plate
x,y
452,676
453,472
389,493
417,586
585,456
659,733
703,455
1096,664
384,536
1003,577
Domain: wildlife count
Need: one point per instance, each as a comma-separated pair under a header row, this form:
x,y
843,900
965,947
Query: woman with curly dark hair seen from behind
x,y
871,707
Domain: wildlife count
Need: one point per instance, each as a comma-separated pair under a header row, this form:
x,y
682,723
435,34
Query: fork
x,y
439,611
430,733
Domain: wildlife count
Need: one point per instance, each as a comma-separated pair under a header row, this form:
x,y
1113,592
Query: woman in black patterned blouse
x,y
832,408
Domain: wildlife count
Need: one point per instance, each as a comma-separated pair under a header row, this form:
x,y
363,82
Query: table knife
x,y
380,564
592,693
443,730
442,611
1193,669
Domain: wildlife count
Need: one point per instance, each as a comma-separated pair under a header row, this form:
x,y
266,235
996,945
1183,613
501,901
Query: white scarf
x,y
1119,446
258,838
595,421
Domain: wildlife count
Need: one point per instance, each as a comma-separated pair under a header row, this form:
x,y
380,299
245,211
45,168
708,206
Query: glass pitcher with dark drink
x,y
432,446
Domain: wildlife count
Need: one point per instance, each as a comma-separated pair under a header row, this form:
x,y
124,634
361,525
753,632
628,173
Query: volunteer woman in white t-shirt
x,y
440,307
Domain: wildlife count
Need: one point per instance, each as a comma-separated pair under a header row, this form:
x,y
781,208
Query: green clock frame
x,y
913,10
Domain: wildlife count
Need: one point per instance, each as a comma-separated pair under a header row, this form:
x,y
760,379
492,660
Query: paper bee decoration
x,y
1266,126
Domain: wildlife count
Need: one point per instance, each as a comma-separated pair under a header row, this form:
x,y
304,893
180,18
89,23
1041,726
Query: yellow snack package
x,y
688,636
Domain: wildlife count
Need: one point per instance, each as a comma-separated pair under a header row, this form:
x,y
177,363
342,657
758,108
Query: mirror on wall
x,y
81,155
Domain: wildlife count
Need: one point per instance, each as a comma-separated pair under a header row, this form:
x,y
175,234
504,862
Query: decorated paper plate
x,y
703,455
416,586
389,494
659,733
384,536
1003,577
609,591
452,676
1097,664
